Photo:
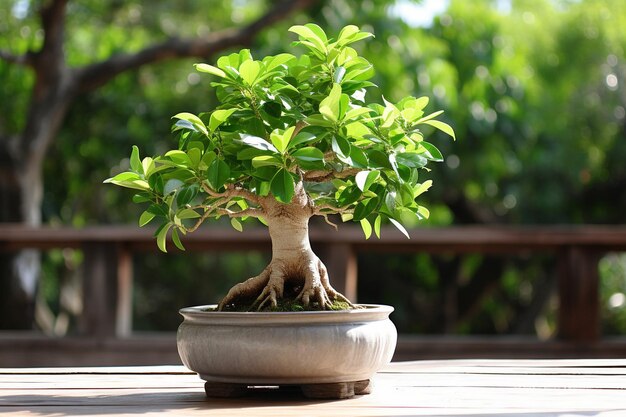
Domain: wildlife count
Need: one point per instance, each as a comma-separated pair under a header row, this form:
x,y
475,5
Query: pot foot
x,y
363,387
338,390
224,390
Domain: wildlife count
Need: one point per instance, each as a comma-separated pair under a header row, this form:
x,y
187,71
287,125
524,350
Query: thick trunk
x,y
20,199
295,272
21,195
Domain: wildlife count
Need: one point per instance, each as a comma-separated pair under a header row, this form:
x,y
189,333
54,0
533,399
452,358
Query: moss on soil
x,y
289,306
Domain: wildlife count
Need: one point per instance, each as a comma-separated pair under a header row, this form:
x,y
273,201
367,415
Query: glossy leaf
x,y
218,173
367,228
444,127
218,117
236,224
400,227
282,186
210,69
161,237
176,240
258,143
145,218
365,179
135,162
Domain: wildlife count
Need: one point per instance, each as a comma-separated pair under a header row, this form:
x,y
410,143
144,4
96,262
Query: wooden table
x,y
538,388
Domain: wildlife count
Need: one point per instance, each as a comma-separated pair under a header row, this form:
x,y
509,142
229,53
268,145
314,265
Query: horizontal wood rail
x,y
108,263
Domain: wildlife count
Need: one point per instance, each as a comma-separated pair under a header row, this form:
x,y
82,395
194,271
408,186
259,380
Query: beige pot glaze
x,y
286,348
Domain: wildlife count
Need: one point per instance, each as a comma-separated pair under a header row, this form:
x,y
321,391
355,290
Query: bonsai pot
x,y
331,354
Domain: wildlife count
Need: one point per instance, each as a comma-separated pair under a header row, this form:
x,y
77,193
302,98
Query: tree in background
x,y
54,81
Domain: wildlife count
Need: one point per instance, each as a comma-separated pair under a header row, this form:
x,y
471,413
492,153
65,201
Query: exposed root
x,y
273,290
246,289
306,283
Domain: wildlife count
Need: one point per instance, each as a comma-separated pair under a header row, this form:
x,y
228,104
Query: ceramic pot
x,y
312,347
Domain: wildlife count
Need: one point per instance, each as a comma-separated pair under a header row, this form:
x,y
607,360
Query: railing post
x,y
579,306
124,311
99,290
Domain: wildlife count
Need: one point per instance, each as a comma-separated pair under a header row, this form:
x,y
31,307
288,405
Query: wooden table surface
x,y
538,388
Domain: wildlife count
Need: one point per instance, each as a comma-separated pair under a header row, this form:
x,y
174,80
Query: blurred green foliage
x,y
533,88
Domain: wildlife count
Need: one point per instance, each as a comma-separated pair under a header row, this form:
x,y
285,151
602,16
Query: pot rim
x,y
370,312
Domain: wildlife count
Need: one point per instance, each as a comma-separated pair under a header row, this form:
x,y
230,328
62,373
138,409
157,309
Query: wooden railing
x,y
108,266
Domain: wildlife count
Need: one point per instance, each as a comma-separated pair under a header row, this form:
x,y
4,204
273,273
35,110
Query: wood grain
x,y
443,388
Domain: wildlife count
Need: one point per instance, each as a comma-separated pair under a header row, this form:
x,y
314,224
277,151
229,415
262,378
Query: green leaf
x,y
179,158
364,208
429,117
300,138
135,162
431,152
278,60
348,196
421,102
400,227
367,228
129,180
162,237
444,127
195,155
309,158
423,212
258,143
338,74
309,154
282,186
394,164
172,185
358,159
354,114
187,213
194,120
208,158
281,140
123,176
142,198
306,33
422,188
218,117
412,160
145,218
218,173
319,32
319,120
210,69
249,71
341,146
176,240
377,224
265,160
159,209
347,32
329,107
236,224
186,195
365,179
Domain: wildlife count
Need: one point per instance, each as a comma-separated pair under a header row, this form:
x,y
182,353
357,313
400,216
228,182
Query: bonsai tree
x,y
294,137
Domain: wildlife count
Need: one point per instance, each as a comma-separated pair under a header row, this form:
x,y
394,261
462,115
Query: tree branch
x,y
97,74
25,59
232,192
53,24
324,209
249,212
325,176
